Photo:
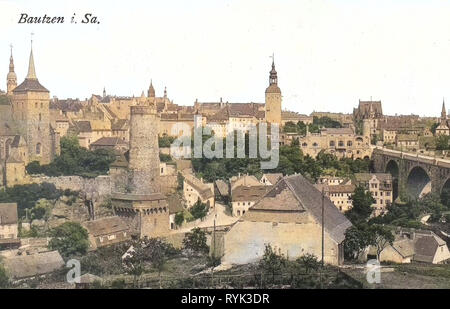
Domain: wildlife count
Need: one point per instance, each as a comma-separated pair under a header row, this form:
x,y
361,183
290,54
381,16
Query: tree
x,y
199,210
362,206
70,239
357,239
157,252
179,219
382,237
309,262
433,127
41,210
195,241
272,262
75,160
133,262
442,142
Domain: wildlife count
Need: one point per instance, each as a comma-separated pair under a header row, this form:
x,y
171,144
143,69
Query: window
x,y
349,143
38,148
331,143
341,144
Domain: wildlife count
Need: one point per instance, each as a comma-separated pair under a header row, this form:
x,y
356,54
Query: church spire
x,y
273,78
151,90
11,62
31,70
11,77
443,112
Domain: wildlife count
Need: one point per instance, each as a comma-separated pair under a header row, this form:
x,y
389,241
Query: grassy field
x,y
408,276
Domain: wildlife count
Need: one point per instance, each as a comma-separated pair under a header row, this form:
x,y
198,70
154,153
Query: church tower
x,y
31,111
273,98
11,80
151,91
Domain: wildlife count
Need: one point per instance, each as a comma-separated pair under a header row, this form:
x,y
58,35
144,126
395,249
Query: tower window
x,y
38,148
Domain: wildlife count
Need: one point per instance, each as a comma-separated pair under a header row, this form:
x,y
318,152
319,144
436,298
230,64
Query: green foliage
x,y
195,241
361,209
199,210
152,250
309,262
26,196
105,260
179,219
443,142
75,160
409,214
165,157
326,122
41,210
382,236
118,284
433,127
272,262
70,239
357,238
165,141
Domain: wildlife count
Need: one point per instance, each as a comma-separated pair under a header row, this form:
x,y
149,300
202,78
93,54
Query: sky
x,y
328,54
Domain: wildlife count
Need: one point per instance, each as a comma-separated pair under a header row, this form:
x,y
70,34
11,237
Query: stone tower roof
x,y
31,83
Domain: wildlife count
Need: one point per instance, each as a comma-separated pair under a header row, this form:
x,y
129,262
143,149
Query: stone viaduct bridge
x,y
414,174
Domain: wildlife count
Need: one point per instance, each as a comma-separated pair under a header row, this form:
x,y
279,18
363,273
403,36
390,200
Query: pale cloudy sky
x,y
328,54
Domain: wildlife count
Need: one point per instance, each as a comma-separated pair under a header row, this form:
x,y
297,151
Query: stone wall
x,y
100,184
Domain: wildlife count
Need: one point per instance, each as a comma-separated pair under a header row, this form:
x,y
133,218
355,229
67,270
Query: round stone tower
x,y
144,161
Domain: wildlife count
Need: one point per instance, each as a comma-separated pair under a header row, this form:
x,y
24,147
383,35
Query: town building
x,y
407,141
26,133
106,231
339,194
381,188
443,127
9,226
26,266
288,217
411,245
341,142
195,189
110,143
243,197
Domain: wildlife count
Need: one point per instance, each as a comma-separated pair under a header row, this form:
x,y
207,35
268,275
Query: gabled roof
x,y
273,177
24,266
243,180
105,226
83,125
8,213
203,189
426,247
30,85
254,193
109,141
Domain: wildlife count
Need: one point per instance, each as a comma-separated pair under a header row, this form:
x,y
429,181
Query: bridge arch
x,y
418,182
445,193
393,169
